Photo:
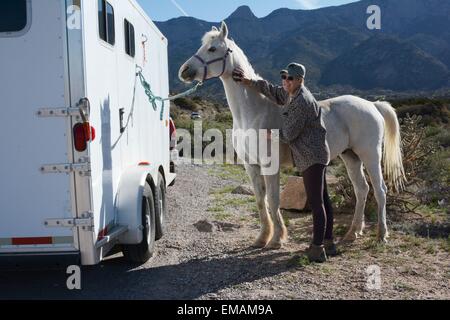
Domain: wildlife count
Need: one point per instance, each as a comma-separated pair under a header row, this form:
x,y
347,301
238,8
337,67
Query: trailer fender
x,y
128,204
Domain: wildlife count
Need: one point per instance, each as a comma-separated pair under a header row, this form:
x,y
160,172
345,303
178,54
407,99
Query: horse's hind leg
x,y
273,198
254,172
373,166
356,173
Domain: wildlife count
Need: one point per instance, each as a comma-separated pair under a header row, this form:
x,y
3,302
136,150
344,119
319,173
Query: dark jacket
x,y
302,124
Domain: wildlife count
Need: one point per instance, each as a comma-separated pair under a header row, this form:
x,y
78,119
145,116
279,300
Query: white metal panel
x,y
101,89
111,84
33,75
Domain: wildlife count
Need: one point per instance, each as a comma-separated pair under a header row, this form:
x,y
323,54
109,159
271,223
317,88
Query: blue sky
x,y
217,10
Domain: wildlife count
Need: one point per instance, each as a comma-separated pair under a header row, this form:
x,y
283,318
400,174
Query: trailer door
x,y
34,75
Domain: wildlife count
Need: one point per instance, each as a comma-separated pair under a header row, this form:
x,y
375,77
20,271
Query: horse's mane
x,y
240,59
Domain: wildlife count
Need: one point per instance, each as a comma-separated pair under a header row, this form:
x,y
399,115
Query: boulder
x,y
243,190
205,226
294,196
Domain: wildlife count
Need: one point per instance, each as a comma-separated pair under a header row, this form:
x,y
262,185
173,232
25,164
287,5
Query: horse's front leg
x,y
254,172
273,198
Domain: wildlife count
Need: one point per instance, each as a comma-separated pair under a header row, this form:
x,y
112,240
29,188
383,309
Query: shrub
x,y
224,117
187,104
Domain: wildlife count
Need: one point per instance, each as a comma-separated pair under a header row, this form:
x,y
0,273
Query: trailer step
x,y
114,234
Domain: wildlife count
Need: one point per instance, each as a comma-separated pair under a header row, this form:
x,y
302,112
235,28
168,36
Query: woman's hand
x,y
240,76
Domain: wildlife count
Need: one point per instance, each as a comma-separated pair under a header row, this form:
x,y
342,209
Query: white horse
x,y
356,131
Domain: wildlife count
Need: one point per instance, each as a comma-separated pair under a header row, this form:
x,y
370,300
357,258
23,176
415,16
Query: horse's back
x,y
352,107
353,120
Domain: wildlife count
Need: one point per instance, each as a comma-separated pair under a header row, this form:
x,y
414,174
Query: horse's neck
x,y
249,108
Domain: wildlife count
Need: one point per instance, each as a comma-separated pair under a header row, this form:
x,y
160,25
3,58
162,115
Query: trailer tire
x,y
142,252
161,207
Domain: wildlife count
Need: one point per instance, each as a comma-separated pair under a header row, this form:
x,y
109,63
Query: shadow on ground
x,y
115,279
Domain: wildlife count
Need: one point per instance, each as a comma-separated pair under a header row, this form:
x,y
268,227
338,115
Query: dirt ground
x,y
207,255
411,266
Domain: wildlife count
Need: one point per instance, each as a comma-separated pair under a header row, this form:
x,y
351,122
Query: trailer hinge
x,y
86,222
58,112
83,168
80,110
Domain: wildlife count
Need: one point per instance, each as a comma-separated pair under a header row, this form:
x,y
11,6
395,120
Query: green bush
x,y
187,104
432,114
224,117
444,139
197,99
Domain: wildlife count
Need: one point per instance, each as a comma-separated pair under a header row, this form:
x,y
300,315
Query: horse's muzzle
x,y
187,74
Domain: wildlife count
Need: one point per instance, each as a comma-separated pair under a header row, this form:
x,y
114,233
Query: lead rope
x,y
154,99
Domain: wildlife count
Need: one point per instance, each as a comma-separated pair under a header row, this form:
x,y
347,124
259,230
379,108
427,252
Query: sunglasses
x,y
286,77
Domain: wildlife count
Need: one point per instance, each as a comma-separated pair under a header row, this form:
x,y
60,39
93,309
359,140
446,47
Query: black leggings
x,y
316,189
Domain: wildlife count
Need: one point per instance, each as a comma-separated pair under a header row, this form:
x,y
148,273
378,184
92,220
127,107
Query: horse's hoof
x,y
274,245
351,237
383,238
259,244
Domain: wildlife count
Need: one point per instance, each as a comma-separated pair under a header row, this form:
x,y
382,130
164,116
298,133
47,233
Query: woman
x,y
304,130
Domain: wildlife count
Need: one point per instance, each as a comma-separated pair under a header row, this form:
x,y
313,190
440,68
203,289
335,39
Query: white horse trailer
x,y
85,158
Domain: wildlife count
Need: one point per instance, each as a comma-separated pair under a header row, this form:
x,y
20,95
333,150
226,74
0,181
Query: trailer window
x,y
13,15
107,30
130,47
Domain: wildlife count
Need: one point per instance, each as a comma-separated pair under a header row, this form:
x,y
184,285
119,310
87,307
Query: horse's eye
x,y
212,49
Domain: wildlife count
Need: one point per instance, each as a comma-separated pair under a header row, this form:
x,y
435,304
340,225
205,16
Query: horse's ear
x,y
214,28
224,30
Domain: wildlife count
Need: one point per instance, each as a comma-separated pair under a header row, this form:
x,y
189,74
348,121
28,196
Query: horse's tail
x,y
393,155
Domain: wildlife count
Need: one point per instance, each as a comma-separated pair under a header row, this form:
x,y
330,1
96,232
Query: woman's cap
x,y
296,70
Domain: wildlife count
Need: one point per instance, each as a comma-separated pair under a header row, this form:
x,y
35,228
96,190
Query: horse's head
x,y
212,60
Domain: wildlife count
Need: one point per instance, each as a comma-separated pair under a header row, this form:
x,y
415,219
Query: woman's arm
x,y
275,93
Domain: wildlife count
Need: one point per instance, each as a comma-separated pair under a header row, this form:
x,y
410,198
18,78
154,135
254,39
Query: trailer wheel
x,y
142,252
161,207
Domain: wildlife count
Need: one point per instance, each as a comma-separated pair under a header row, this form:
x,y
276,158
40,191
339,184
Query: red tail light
x,y
83,133
173,135
173,129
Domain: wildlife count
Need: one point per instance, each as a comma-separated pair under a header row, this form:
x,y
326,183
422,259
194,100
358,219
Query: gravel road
x,y
207,255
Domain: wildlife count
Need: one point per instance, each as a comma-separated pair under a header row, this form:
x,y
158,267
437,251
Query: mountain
x,y
410,52
386,62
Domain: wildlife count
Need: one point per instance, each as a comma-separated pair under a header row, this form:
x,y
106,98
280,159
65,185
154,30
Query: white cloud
x,y
309,4
180,8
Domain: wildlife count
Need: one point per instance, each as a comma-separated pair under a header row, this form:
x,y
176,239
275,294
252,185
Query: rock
x,y
294,196
205,226
244,190
226,227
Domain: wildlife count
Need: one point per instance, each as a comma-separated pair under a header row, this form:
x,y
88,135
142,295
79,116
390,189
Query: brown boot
x,y
316,254
330,248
